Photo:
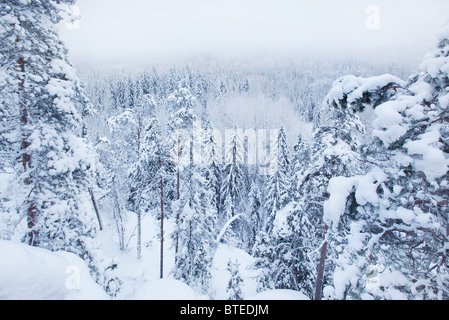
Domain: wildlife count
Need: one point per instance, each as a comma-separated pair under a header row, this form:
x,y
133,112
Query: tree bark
x,y
139,134
320,277
178,196
139,234
162,220
118,217
94,203
26,157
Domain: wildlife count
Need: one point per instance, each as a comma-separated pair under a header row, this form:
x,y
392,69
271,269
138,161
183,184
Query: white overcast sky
x,y
135,29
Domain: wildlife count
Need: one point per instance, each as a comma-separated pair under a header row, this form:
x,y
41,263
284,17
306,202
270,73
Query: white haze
x,y
136,31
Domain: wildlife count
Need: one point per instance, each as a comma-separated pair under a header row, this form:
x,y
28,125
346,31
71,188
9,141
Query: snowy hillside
x,y
29,273
307,177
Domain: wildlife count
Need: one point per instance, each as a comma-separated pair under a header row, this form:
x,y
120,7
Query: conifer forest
x,y
287,176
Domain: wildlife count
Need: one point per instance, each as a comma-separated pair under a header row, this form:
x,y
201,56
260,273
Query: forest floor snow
x,y
30,273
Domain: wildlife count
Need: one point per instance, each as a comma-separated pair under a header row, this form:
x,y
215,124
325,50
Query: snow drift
x,y
30,273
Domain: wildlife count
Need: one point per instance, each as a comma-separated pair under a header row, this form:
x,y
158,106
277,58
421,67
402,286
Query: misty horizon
x,y
147,32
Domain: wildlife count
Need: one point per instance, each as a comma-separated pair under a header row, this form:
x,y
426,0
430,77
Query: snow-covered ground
x,y
221,276
30,273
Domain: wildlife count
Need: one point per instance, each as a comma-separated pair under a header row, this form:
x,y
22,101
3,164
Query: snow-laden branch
x,y
226,226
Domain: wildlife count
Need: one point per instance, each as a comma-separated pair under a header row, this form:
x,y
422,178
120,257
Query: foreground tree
x,y
55,165
390,223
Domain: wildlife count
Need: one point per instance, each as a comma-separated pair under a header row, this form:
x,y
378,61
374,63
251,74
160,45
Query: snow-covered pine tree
x,y
223,89
335,151
55,167
146,174
127,135
197,232
119,93
279,184
212,167
195,207
299,256
264,255
171,82
255,212
153,85
232,188
180,144
278,241
233,177
395,214
234,289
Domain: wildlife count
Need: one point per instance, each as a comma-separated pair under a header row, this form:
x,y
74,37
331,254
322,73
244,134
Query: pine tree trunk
x,y
139,235
162,220
447,224
139,133
178,196
139,212
447,230
94,203
320,277
26,157
118,218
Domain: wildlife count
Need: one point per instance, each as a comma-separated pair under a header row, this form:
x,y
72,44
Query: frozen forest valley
x,y
308,178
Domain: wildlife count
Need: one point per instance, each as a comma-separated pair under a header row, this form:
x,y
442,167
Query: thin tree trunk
x,y
94,203
447,230
162,219
139,235
178,196
447,224
26,157
320,277
139,212
139,133
118,218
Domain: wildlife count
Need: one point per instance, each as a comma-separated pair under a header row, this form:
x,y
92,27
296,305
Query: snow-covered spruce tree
x,y
335,151
232,188
149,174
197,222
264,254
255,212
197,231
172,82
151,178
279,184
394,217
127,135
212,167
153,83
233,177
180,143
278,270
55,164
234,289
290,264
